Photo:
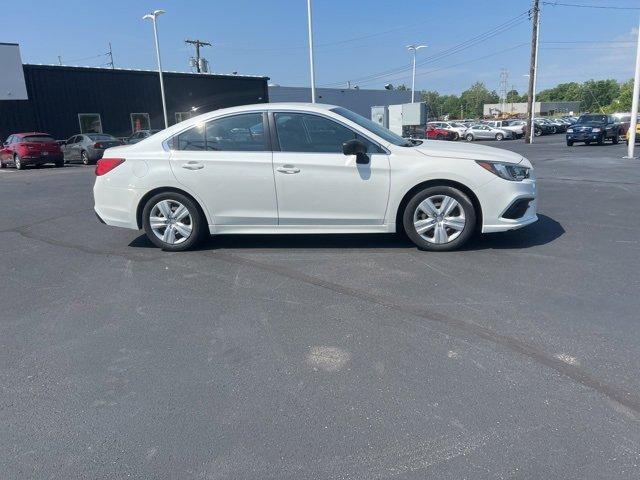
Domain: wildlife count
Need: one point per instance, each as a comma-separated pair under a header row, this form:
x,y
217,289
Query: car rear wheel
x,y
2,165
17,161
469,138
439,218
173,222
569,143
499,137
85,158
439,137
601,139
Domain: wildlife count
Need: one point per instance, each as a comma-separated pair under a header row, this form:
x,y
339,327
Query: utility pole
x,y
634,103
110,53
198,44
533,71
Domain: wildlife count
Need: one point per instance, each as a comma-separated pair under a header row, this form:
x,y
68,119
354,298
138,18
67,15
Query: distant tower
x,y
504,82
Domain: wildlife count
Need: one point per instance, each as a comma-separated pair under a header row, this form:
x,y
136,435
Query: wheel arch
x,y
438,183
143,201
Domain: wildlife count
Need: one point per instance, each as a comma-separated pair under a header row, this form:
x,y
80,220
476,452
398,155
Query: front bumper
x,y
500,198
583,136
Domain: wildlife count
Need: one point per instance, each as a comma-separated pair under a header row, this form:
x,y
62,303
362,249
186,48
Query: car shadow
x,y
544,231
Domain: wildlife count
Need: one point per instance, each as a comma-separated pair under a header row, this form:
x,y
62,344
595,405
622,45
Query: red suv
x,y
434,133
22,149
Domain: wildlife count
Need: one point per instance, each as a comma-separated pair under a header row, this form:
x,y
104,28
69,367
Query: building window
x,y
140,121
182,116
90,123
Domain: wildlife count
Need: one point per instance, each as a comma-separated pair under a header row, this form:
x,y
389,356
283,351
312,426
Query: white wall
x,y
12,85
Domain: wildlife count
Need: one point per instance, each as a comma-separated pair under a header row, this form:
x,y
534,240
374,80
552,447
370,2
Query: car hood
x,y
467,151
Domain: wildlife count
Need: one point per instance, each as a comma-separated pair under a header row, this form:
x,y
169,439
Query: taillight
x,y
98,145
105,165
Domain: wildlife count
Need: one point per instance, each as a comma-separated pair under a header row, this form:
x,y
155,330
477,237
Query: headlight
x,y
513,173
595,130
570,130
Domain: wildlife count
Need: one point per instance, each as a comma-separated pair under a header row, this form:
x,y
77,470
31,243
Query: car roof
x,y
30,134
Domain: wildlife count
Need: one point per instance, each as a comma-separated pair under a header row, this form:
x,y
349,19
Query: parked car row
x,y
37,148
506,129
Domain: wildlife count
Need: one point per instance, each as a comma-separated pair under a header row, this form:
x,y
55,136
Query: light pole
x,y
311,64
634,103
153,17
414,49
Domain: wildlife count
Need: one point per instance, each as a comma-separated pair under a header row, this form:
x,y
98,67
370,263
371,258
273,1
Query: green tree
x,y
402,87
565,92
598,94
623,102
475,97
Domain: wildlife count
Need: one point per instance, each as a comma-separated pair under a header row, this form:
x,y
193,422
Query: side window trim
x,y
274,133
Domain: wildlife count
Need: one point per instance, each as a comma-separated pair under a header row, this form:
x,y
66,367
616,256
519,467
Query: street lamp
x,y
311,62
153,17
414,49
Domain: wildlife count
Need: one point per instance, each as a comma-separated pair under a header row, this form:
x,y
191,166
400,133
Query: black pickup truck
x,y
596,128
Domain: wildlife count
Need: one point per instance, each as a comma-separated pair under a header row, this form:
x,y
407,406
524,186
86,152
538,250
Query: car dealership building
x,y
64,101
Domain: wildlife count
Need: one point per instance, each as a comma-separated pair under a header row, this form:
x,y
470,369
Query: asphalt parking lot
x,y
325,357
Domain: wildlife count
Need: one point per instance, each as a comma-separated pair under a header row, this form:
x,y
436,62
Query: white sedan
x,y
308,168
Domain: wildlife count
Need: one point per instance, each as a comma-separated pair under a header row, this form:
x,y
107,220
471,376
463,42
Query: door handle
x,y
193,166
288,169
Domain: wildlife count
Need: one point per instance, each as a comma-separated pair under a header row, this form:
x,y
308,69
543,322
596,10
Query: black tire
x,y
601,139
18,162
439,137
569,143
537,133
499,137
2,165
616,138
60,164
85,158
456,137
463,201
469,138
199,228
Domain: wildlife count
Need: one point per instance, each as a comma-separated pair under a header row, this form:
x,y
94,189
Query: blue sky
x,y
355,39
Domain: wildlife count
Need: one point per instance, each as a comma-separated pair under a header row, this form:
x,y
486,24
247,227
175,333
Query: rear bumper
x,y
41,159
116,206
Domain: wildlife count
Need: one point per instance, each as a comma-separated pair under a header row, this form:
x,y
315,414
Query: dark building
x,y
64,101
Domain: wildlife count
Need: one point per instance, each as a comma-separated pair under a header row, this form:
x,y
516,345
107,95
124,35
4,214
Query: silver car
x,y
140,135
487,132
87,147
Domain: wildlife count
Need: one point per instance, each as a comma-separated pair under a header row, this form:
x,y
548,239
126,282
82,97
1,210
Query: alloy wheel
x,y
439,219
171,221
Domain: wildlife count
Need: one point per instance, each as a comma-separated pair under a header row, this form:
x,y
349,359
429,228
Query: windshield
x,y
37,138
373,127
593,119
100,136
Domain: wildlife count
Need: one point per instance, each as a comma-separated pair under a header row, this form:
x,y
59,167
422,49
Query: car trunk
x,y
42,147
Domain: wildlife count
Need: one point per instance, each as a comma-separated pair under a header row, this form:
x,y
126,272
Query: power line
x,y
582,5
484,57
512,23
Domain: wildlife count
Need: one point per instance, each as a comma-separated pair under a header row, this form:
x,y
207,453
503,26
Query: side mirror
x,y
357,148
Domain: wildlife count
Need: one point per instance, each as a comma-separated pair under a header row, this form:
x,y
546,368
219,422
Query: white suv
x,y
308,168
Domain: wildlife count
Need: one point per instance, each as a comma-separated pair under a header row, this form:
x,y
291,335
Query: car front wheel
x,y
439,218
469,138
17,161
173,222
